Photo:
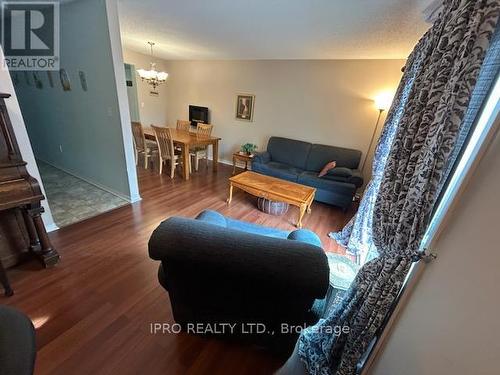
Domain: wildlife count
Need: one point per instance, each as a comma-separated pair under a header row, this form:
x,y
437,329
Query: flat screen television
x,y
198,114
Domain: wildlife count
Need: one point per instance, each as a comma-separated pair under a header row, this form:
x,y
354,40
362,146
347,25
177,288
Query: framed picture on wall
x,y
37,80
27,78
65,83
244,106
50,78
83,80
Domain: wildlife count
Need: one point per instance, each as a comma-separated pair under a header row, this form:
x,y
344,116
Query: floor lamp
x,y
382,103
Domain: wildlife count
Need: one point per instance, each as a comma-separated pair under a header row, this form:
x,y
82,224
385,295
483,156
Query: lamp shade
x,y
383,100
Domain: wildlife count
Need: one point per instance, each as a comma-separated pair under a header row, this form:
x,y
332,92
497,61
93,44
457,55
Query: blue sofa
x,y
220,270
300,162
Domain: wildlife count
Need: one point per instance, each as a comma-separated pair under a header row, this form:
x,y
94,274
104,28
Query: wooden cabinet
x,y
21,227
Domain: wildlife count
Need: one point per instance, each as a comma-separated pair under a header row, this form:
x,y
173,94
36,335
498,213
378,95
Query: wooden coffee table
x,y
274,189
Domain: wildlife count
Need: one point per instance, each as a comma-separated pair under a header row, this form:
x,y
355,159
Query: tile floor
x,y
72,199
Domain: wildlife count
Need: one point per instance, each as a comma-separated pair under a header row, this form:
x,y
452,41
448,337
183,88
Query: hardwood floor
x,y
93,310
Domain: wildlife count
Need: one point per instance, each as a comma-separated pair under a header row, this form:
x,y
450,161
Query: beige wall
x,y
451,323
318,101
152,109
324,101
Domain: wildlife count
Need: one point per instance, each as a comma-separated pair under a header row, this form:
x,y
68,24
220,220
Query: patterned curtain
x,y
357,236
426,133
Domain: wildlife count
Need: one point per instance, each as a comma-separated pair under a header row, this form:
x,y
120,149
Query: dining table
x,y
187,140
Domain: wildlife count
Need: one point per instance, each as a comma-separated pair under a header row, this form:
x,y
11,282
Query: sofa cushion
x,y
322,154
278,170
340,172
356,178
312,179
290,152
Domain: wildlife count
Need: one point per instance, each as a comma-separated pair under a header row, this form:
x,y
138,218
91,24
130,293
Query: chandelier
x,y
151,76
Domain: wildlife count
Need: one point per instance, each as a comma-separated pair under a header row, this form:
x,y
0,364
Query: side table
x,y
244,158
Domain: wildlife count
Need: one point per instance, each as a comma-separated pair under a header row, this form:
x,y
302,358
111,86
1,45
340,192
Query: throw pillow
x,y
328,166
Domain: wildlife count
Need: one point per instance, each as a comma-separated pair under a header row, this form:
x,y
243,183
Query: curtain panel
x,y
425,135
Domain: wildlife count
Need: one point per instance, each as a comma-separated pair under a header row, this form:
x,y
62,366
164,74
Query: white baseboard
x,y
51,227
96,184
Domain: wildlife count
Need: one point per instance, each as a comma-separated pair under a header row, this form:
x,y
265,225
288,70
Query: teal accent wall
x,y
79,131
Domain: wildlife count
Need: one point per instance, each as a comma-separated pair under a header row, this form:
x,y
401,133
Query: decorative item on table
x,y
244,106
83,80
65,83
248,149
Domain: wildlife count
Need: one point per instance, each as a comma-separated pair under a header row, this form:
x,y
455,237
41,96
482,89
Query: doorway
x,y
133,101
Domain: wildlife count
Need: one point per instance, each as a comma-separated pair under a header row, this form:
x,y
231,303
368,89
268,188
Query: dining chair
x,y
142,146
183,125
167,151
199,153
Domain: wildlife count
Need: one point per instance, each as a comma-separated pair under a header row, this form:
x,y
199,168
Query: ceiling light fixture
x,y
151,76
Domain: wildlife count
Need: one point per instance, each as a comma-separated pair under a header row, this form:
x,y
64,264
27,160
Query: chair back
x,y
204,129
183,125
165,142
138,133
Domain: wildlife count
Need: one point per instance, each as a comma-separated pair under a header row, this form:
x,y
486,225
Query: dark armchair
x,y
17,343
221,270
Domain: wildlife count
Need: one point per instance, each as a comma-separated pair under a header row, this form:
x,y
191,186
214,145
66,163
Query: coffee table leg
x,y
309,206
230,198
302,208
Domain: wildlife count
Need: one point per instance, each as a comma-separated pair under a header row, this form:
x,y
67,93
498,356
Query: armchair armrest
x,y
306,236
17,342
356,178
262,157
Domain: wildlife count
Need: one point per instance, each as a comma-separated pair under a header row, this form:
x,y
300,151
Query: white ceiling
x,y
273,29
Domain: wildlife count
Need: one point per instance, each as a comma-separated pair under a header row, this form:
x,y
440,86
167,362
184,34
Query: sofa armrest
x,y
306,236
356,178
231,261
262,157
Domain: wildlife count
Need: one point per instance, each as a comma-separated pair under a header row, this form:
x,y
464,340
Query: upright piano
x,y
21,227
